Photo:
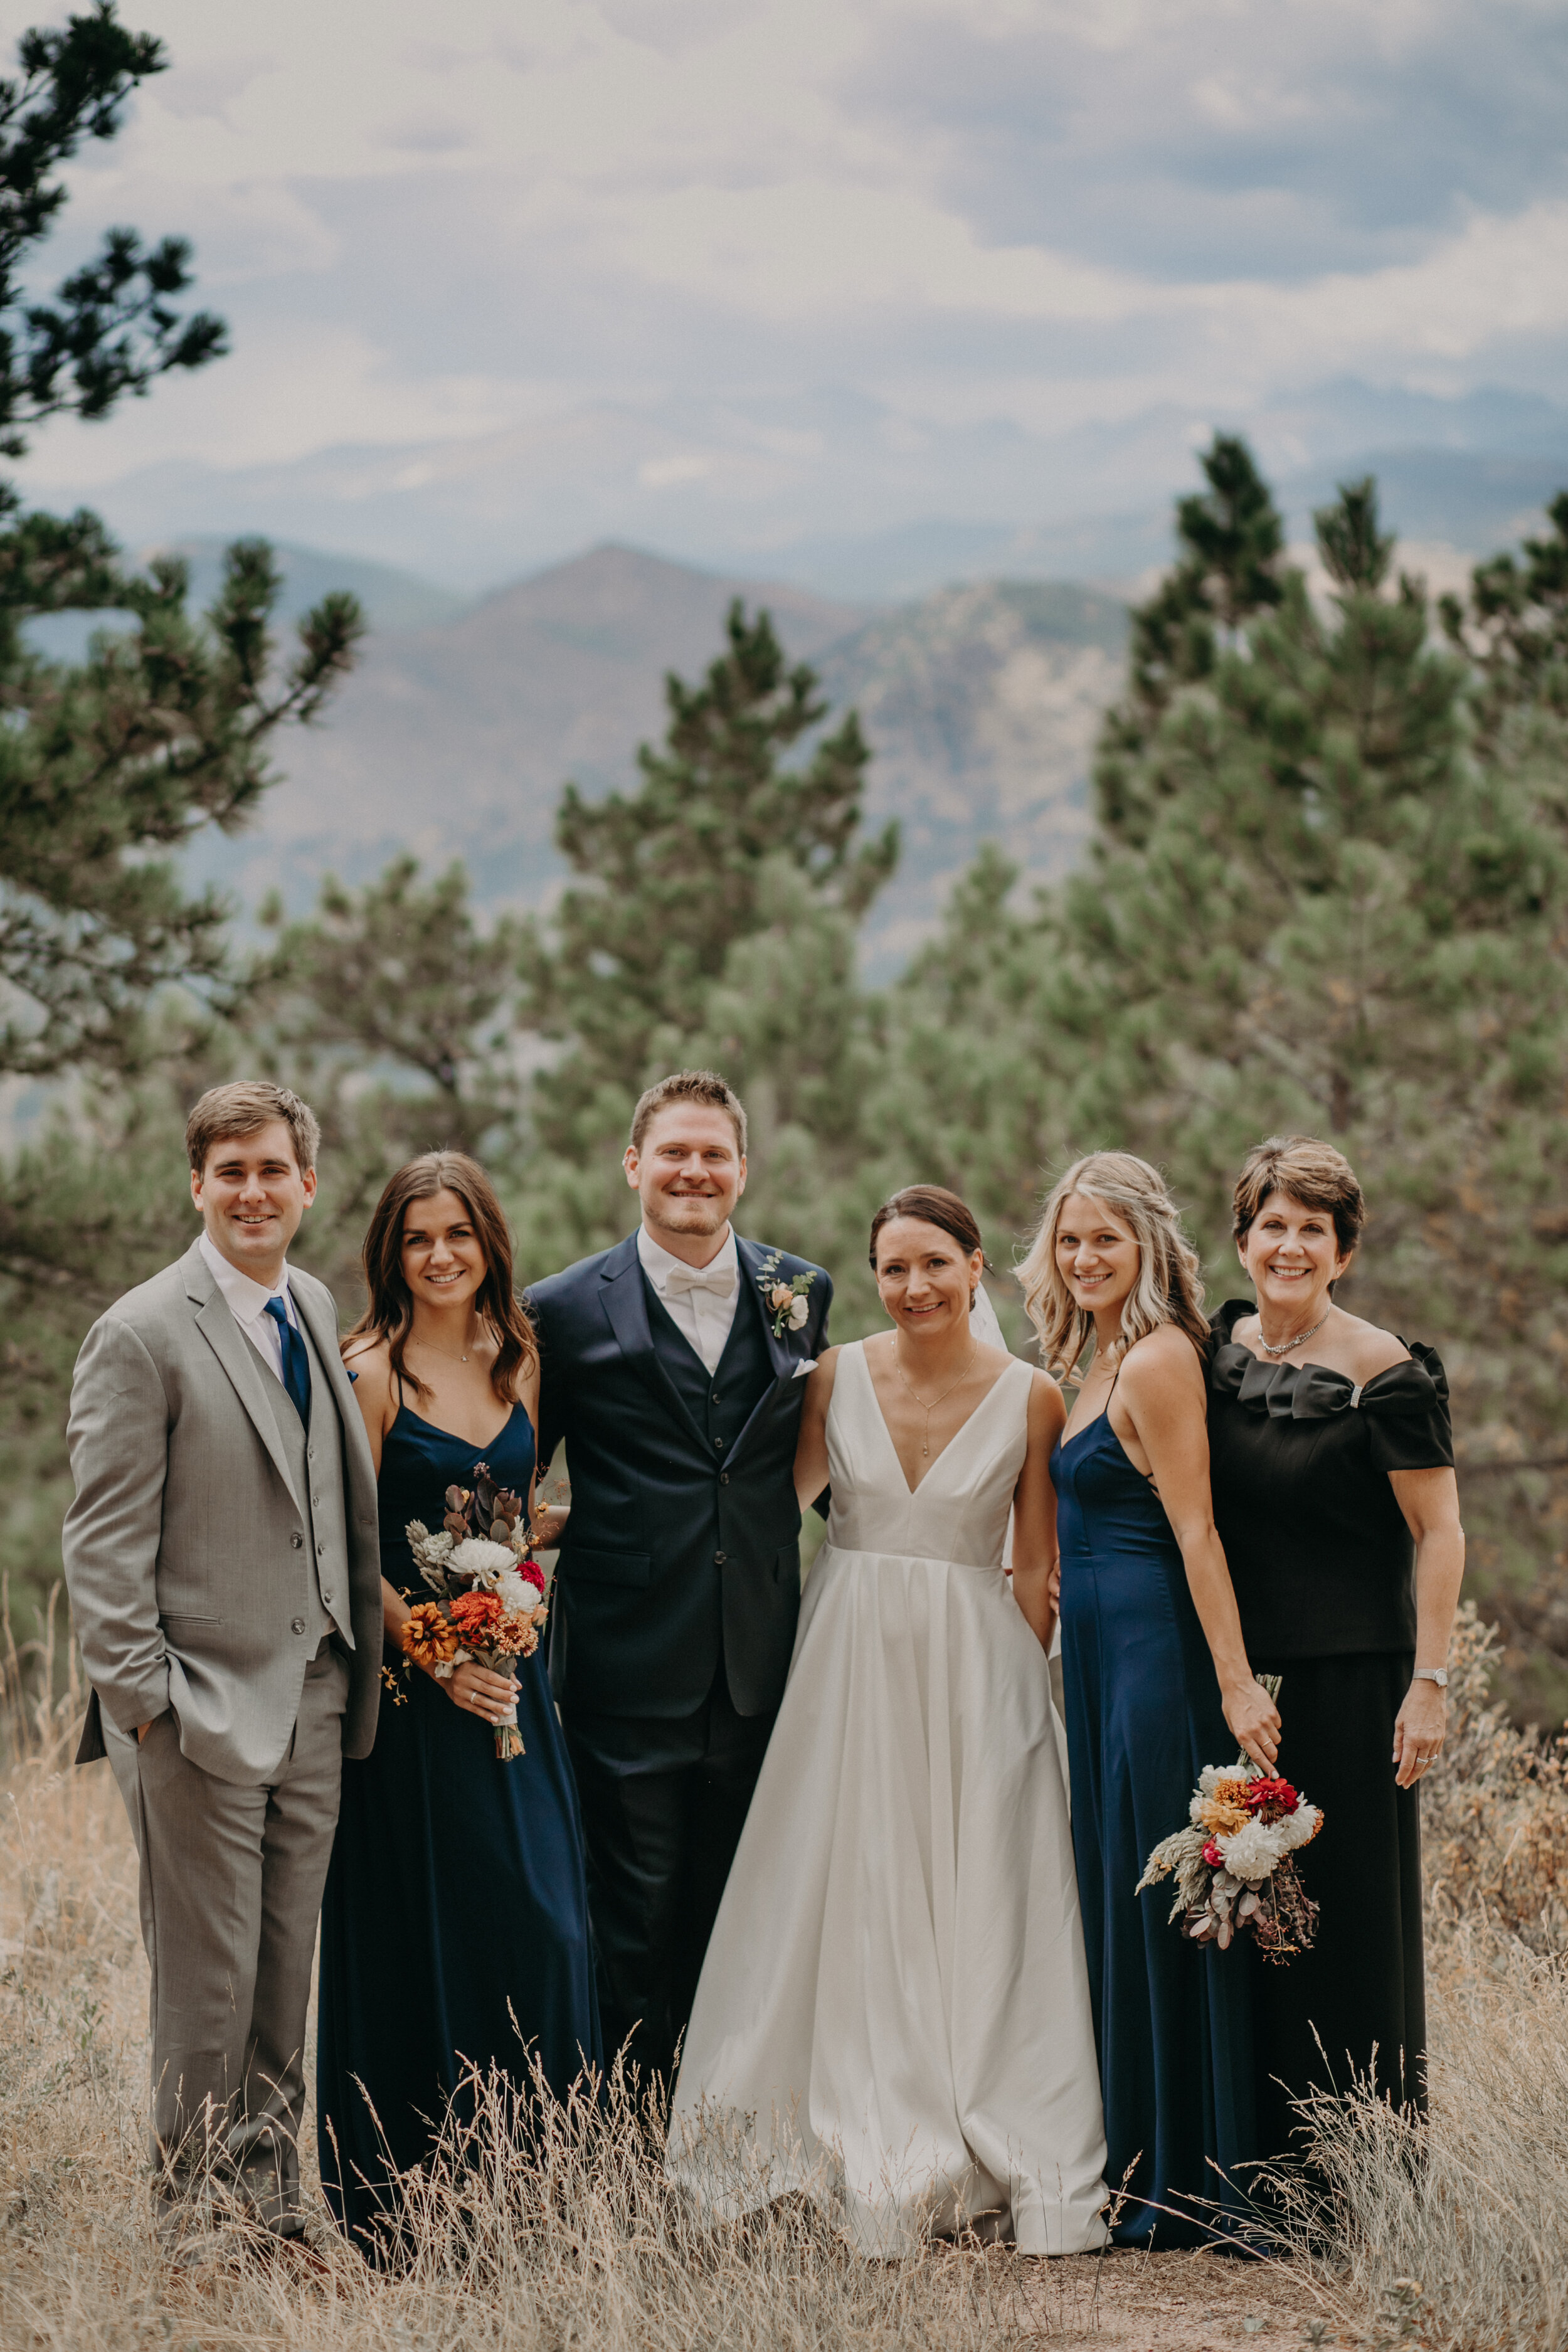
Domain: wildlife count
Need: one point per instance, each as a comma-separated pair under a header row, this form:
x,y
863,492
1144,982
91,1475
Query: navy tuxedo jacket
x,y
678,1550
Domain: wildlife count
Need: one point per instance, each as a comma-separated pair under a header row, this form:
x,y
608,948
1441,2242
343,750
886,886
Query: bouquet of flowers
x,y
1232,1863
489,1603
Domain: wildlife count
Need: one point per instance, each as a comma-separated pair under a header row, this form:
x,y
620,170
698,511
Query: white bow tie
x,y
720,1279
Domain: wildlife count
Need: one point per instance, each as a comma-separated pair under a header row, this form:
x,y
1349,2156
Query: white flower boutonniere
x,y
787,1302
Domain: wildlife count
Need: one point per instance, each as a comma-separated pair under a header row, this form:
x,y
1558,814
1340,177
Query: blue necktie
x,y
296,1363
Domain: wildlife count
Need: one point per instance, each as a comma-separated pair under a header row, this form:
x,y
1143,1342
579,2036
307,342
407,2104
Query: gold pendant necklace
x,y
929,1409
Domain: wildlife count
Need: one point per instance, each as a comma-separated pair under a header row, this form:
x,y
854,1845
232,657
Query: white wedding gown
x,y
894,2010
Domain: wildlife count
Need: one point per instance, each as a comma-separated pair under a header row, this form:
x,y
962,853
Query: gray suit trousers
x,y
230,1890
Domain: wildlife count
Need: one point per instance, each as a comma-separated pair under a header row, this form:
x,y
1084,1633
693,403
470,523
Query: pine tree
x,y
105,764
674,877
1322,896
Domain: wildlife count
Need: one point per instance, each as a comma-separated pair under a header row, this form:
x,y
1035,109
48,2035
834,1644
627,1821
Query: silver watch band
x,y
1438,1675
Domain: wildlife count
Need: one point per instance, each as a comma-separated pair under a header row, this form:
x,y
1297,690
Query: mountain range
x,y
454,739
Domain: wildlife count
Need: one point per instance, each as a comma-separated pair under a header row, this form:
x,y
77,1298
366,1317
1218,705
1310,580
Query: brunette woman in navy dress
x,y
1157,1683
1335,1497
455,1927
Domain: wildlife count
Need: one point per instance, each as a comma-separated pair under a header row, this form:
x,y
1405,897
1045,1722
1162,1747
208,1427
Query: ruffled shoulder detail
x,y
1312,1391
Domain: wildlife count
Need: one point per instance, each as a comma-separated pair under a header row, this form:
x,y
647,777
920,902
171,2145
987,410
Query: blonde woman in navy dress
x,y
1157,1683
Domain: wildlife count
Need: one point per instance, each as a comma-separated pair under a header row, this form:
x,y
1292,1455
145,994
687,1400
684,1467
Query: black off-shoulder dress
x,y
1322,1563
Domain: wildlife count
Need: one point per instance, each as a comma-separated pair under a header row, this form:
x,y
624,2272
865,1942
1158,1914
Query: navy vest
x,y
721,1404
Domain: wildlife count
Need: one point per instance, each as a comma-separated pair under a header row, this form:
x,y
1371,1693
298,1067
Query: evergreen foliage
x,y
112,975
103,764
113,327
1322,896
721,843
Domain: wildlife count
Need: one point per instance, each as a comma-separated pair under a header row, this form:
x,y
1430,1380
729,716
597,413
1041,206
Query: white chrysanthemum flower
x,y
514,1593
1296,1828
1251,1853
477,1556
798,1313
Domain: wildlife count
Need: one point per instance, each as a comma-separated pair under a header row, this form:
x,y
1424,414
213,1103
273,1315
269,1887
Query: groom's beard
x,y
693,1213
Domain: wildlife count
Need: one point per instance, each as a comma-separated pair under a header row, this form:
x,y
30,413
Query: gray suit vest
x,y
316,1468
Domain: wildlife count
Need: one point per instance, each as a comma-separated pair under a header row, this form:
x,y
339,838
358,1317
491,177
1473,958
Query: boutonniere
x,y
787,1302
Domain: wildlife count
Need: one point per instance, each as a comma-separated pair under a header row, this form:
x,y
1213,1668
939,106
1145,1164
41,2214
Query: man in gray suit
x,y
224,1574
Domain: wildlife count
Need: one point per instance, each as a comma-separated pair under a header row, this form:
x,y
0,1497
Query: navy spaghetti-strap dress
x,y
1173,2020
455,1924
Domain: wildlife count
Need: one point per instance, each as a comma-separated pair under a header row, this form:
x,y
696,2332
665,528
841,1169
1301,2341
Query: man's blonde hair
x,y
1169,1289
244,1107
704,1086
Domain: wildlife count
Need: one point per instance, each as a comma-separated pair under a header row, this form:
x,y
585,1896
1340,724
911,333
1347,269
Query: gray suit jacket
x,y
183,1556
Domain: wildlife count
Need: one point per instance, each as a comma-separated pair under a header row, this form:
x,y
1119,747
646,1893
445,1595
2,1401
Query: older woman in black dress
x,y
1335,1499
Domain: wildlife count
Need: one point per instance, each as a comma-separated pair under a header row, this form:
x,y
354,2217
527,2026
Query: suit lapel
x,y
750,1257
625,1305
238,1358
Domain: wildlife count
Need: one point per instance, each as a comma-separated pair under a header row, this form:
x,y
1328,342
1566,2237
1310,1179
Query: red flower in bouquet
x,y
1271,1798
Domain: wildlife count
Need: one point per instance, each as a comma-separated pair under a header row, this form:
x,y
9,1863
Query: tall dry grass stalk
x,y
1470,2208
519,2239
1494,1812
574,2238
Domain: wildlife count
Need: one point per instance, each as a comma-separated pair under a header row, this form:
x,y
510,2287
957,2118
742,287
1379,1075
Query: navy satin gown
x,y
1173,2020
455,1924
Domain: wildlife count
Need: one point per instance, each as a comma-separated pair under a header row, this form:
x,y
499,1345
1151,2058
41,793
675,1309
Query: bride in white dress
x,y
894,2010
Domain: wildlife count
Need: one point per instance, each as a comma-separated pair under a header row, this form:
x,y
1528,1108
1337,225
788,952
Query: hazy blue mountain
x,y
454,741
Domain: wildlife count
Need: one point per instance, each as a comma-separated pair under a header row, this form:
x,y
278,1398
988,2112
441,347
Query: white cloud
x,y
428,230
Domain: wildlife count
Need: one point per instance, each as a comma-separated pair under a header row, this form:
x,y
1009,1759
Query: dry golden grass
x,y
580,2243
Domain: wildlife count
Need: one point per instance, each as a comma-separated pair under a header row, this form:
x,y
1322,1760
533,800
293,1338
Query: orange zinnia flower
x,y
427,1638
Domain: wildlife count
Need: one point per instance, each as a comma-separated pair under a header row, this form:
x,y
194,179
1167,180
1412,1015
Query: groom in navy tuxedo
x,y
673,1369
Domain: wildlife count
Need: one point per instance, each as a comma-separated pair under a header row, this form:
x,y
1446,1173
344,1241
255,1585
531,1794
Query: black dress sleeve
x,y
1407,1418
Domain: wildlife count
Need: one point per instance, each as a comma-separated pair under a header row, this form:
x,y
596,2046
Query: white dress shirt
x,y
700,1300
247,1303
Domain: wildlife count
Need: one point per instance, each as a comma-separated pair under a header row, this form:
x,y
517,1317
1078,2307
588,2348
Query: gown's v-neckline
x,y
942,1453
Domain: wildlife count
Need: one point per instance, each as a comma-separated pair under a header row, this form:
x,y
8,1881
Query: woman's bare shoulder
x,y
369,1358
1367,1348
1159,1354
1048,1406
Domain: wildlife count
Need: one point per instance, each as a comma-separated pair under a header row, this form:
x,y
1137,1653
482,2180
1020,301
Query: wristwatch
x,y
1438,1675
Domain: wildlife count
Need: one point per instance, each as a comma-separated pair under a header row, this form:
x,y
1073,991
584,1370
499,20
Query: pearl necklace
x,y
1300,1339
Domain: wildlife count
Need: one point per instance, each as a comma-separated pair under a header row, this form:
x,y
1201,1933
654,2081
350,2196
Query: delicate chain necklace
x,y
431,1349
929,1409
1300,1339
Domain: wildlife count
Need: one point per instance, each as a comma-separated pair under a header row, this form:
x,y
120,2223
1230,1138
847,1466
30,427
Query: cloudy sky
x,y
724,274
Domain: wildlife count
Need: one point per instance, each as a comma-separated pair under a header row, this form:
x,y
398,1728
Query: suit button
x,y
321,1550
328,1599
720,1444
296,1624
715,1400
724,1477
315,1502
298,1542
719,1558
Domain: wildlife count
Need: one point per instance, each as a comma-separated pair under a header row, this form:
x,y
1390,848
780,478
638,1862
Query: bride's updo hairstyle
x,y
1169,1289
933,1205
389,1310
